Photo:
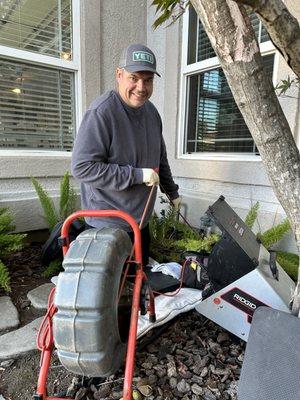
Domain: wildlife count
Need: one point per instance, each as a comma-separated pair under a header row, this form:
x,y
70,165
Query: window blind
x,y
36,107
39,26
214,122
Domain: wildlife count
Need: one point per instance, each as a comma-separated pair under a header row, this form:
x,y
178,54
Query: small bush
x,y
171,237
67,205
67,201
9,243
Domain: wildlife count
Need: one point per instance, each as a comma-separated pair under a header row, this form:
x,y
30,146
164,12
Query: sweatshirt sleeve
x,y
90,157
167,184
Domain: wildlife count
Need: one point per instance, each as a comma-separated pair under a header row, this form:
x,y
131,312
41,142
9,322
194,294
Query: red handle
x,y
103,213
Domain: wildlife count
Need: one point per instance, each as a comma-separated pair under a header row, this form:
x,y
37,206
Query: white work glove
x,y
150,177
177,203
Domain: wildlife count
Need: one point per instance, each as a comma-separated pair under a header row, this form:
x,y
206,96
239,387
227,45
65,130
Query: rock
x,y
72,389
7,363
171,369
183,386
173,382
147,365
152,379
9,314
142,382
19,342
160,370
152,348
204,372
196,389
81,393
146,390
208,395
39,296
118,394
25,304
222,337
232,390
102,392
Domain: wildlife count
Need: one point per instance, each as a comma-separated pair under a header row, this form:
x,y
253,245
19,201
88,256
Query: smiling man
x,y
119,151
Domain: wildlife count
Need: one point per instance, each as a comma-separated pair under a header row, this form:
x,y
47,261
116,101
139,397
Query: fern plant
x,y
67,205
170,237
252,215
67,201
288,261
9,243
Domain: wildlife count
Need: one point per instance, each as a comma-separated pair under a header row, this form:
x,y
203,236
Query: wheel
x,y
86,326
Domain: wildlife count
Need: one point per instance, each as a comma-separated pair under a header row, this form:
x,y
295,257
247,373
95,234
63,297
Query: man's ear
x,y
119,73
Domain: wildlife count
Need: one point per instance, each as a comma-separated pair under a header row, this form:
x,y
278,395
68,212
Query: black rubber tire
x,y
86,326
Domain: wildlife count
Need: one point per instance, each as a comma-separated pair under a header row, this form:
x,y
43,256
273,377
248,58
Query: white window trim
x,y
201,66
52,62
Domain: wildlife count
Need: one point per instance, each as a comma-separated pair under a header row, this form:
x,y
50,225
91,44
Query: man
x,y
119,152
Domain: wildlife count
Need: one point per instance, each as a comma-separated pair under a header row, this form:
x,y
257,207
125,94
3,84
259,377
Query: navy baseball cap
x,y
138,58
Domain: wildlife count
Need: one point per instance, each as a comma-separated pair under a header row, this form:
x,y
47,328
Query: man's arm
x,y
90,157
167,184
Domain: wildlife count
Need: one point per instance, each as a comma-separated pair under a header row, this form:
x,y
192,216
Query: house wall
x,y
202,181
106,27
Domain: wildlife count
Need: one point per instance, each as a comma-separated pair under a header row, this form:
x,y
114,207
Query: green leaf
x,y
273,235
72,203
4,277
3,210
10,242
54,267
5,223
46,203
64,196
169,9
252,215
289,262
163,18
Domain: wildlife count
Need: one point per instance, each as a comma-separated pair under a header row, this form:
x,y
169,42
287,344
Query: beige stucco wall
x,y
106,27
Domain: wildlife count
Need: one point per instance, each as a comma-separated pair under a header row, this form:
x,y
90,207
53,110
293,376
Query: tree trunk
x,y
282,27
233,40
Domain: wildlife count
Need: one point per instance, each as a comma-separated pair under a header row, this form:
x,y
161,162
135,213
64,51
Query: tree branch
x,y
282,27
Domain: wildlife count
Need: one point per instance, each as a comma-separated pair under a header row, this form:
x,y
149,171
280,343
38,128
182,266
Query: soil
x,y
19,380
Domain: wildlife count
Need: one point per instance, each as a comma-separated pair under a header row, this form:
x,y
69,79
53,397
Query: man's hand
x,y
150,177
177,203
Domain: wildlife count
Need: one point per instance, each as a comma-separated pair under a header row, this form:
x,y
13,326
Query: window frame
x,y
73,66
187,70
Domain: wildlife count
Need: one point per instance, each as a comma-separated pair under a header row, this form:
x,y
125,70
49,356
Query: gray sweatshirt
x,y
113,144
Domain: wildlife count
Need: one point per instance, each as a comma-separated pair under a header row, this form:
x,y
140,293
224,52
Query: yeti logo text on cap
x,y
142,56
138,58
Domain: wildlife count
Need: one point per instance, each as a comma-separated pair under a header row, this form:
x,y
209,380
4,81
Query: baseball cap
x,y
137,57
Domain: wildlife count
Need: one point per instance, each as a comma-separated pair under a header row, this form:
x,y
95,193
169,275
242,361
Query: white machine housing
x,y
233,306
243,275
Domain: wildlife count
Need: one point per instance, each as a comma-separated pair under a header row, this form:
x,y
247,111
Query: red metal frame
x,y
45,340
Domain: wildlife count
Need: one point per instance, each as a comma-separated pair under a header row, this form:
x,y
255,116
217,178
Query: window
x,y
38,74
213,122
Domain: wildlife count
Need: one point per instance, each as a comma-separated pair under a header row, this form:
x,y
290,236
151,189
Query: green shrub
x,y
67,205
288,261
9,243
171,237
67,201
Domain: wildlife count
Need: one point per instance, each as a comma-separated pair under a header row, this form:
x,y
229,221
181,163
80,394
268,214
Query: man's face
x,y
135,88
